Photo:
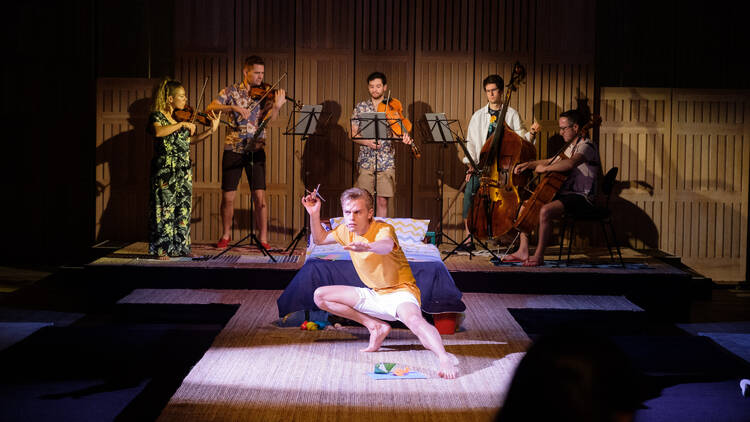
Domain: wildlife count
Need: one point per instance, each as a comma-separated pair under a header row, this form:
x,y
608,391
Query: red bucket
x,y
445,323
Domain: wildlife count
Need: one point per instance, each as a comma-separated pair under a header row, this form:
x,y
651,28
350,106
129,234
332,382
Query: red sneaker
x,y
266,245
223,243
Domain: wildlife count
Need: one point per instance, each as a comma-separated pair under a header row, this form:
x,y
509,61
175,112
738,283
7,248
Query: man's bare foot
x,y
533,261
448,366
163,258
377,335
515,258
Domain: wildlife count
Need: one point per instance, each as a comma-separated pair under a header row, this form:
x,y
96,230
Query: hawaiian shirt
x,y
385,154
238,94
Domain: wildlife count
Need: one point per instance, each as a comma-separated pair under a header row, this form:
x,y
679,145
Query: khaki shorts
x,y
386,182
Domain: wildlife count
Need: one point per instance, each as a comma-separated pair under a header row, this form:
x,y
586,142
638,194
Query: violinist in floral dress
x,y
171,183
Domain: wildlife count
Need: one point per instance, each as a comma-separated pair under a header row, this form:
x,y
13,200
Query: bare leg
x,y
261,214
428,335
227,211
548,212
382,207
340,300
522,254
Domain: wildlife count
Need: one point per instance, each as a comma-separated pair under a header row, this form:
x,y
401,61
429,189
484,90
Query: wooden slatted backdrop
x,y
683,155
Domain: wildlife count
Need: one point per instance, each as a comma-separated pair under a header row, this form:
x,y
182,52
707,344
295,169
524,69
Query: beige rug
x,y
255,371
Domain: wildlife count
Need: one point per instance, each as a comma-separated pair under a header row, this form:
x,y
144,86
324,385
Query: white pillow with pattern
x,y
408,230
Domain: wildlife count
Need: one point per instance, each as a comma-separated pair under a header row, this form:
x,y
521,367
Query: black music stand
x,y
376,126
443,134
254,241
303,122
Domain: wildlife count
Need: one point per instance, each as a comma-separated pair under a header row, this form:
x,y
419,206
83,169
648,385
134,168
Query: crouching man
x,y
391,294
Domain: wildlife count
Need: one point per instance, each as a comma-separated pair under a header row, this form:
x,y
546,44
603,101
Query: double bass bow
x,y
496,202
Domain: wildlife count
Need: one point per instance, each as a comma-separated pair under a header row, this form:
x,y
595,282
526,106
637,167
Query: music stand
x,y
376,126
442,133
305,124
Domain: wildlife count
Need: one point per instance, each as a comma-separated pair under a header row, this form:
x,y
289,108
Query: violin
x,y
398,123
266,91
258,94
188,114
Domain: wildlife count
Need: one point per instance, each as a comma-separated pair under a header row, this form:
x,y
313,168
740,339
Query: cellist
x,y
482,124
580,159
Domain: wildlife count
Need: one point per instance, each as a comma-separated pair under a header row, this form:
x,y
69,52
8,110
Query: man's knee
x,y
319,296
546,213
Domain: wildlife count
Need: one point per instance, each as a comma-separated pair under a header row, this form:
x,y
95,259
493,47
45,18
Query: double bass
x,y
497,200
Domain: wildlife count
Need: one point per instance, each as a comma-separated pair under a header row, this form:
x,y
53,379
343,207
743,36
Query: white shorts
x,y
382,306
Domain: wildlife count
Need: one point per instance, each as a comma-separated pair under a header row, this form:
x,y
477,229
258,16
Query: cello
x,y
496,202
546,189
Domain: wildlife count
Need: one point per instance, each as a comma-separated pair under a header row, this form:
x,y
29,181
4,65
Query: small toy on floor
x,y
390,370
316,325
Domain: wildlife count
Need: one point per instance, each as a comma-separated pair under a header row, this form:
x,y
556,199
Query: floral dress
x,y
171,186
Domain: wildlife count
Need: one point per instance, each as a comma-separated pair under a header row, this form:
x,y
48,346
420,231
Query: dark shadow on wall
x,y
327,158
126,159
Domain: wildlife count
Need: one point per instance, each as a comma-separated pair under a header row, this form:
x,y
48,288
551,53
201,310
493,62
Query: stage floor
x,y
249,257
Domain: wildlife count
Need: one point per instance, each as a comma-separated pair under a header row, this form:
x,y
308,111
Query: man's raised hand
x,y
311,203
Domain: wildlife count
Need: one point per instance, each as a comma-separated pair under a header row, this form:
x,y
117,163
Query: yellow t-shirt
x,y
382,273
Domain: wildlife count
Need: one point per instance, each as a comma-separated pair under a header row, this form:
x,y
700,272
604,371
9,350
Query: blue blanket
x,y
439,292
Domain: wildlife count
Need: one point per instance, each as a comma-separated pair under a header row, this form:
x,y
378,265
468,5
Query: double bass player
x,y
481,126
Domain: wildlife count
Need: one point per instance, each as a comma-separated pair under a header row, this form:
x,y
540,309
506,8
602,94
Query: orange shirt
x,y
382,273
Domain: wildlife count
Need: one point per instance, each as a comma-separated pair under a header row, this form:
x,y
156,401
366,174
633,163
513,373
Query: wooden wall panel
x,y
683,159
385,43
635,137
204,26
327,157
445,27
505,28
263,27
123,155
711,152
442,87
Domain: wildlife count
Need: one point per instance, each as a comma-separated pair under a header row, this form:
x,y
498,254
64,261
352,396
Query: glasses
x,y
490,91
562,128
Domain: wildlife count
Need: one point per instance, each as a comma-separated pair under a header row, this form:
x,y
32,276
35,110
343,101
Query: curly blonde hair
x,y
162,91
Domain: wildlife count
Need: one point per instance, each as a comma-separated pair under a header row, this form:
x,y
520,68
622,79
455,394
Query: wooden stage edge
x,y
589,273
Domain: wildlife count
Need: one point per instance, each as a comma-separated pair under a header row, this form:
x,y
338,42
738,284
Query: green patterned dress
x,y
171,188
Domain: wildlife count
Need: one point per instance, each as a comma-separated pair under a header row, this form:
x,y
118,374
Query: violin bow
x,y
200,100
267,91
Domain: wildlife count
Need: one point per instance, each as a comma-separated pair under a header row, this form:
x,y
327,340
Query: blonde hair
x,y
357,193
162,92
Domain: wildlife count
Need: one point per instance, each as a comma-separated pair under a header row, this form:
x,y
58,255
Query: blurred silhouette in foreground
x,y
574,378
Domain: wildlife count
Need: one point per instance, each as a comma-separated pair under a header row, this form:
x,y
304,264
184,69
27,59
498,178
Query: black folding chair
x,y
602,214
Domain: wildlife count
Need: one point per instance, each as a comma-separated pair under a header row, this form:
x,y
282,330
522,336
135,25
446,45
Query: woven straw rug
x,y
258,371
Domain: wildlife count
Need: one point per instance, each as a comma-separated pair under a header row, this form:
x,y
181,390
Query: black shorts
x,y
574,203
232,164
